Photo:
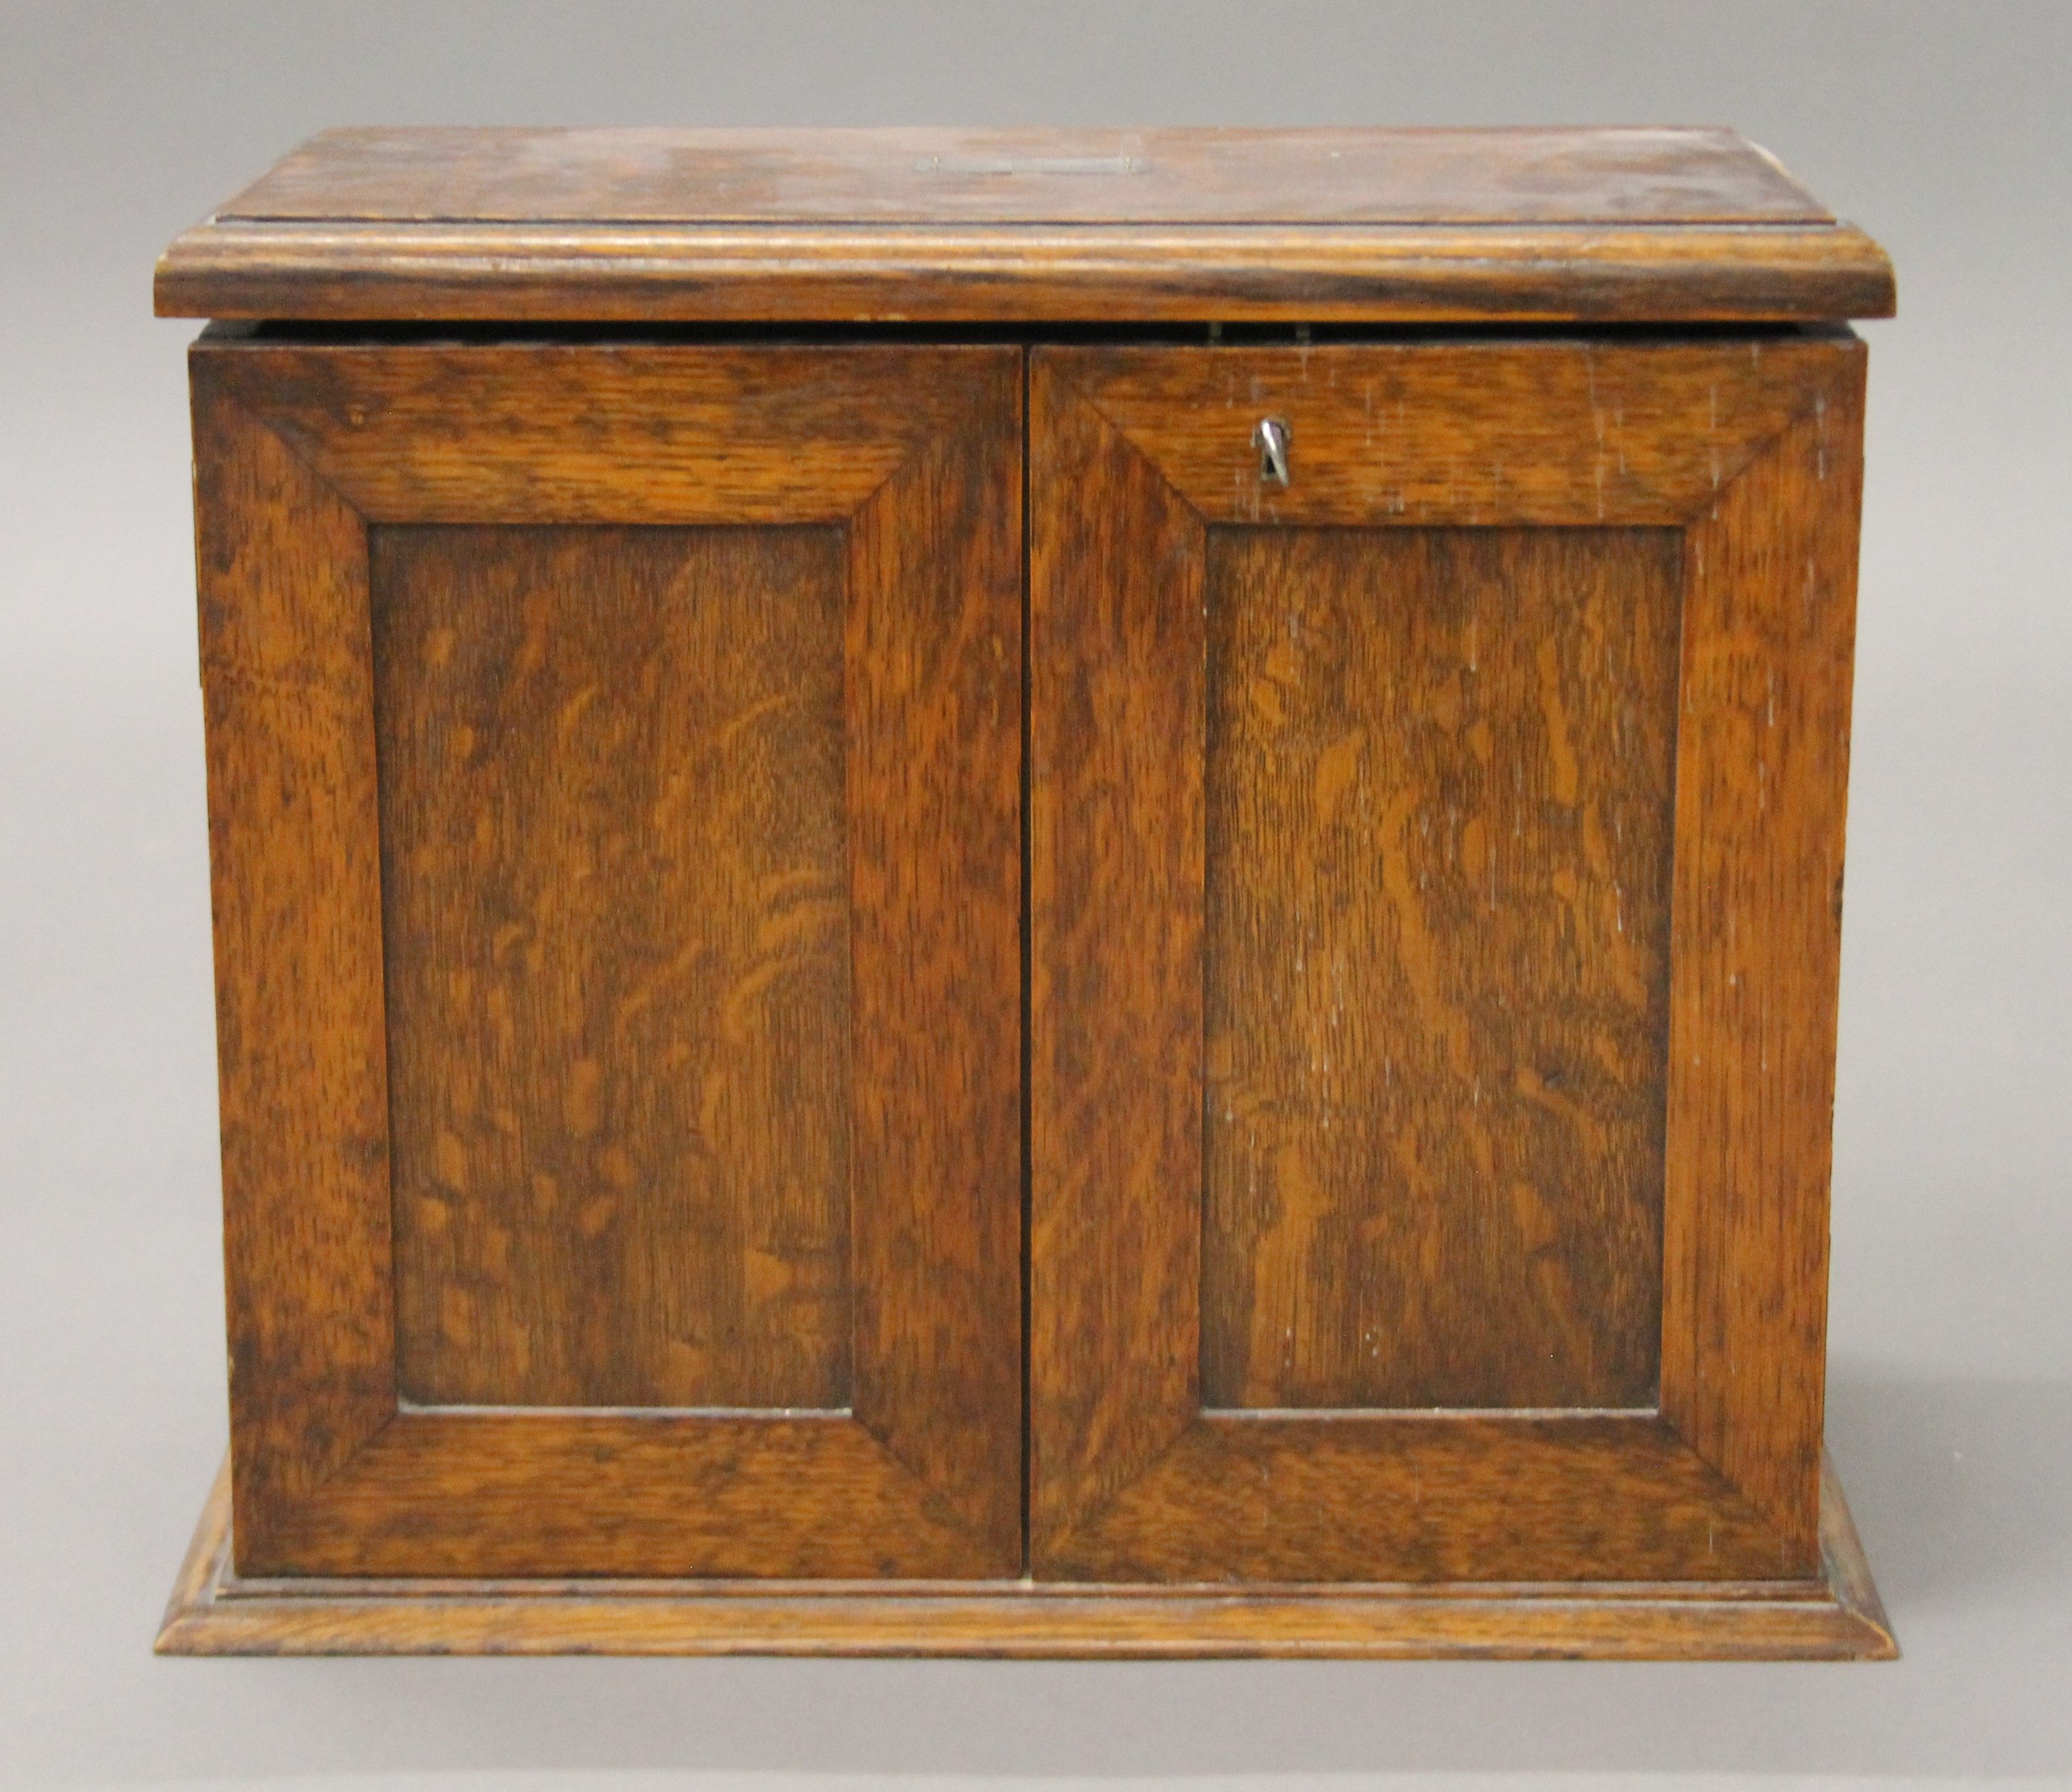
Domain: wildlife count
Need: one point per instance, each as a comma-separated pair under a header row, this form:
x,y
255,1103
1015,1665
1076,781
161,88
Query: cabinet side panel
x,y
1437,960
617,920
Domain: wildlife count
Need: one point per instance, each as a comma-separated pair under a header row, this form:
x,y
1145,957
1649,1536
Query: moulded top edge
x,y
1080,274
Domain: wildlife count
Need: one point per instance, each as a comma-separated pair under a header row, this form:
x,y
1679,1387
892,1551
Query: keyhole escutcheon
x,y
1270,437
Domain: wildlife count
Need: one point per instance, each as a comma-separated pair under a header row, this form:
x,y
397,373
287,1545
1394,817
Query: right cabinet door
x,y
1435,864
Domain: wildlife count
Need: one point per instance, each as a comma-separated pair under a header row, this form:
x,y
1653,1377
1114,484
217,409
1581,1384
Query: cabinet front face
x,y
1436,852
615,789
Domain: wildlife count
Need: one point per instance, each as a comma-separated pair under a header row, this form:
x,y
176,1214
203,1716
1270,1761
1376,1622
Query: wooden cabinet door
x,y
1435,874
613,782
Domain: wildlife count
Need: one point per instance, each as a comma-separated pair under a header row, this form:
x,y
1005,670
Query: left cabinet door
x,y
613,758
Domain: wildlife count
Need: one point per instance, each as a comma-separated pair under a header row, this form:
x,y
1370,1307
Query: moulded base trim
x,y
1838,1617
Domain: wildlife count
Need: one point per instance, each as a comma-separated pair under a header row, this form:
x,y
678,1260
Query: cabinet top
x,y
1591,224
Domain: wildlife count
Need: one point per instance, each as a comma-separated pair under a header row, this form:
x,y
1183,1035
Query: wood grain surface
x,y
934,658
295,894
1146,453
615,908
1116,695
1025,274
1432,921
1465,432
897,634
517,1492
1019,224
1836,1616
1408,1497
1437,961
620,433
1762,791
1597,174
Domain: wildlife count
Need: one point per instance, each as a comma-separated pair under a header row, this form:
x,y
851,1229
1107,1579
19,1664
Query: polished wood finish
x,y
1140,459
1026,273
342,658
1436,963
1465,432
1595,174
1354,226
615,904
1837,1616
1761,792
615,434
880,992
1117,717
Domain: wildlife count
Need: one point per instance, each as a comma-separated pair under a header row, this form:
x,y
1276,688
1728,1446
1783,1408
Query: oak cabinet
x,y
1145,966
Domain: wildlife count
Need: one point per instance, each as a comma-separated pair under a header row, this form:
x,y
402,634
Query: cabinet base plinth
x,y
1838,1617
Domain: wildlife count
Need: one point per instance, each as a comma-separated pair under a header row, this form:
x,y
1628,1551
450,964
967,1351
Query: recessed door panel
x,y
615,927
1435,961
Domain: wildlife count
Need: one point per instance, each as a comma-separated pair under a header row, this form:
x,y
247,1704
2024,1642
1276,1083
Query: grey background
x,y
1942,128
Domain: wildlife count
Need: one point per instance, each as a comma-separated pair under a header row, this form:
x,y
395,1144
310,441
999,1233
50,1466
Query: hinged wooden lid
x,y
853,226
